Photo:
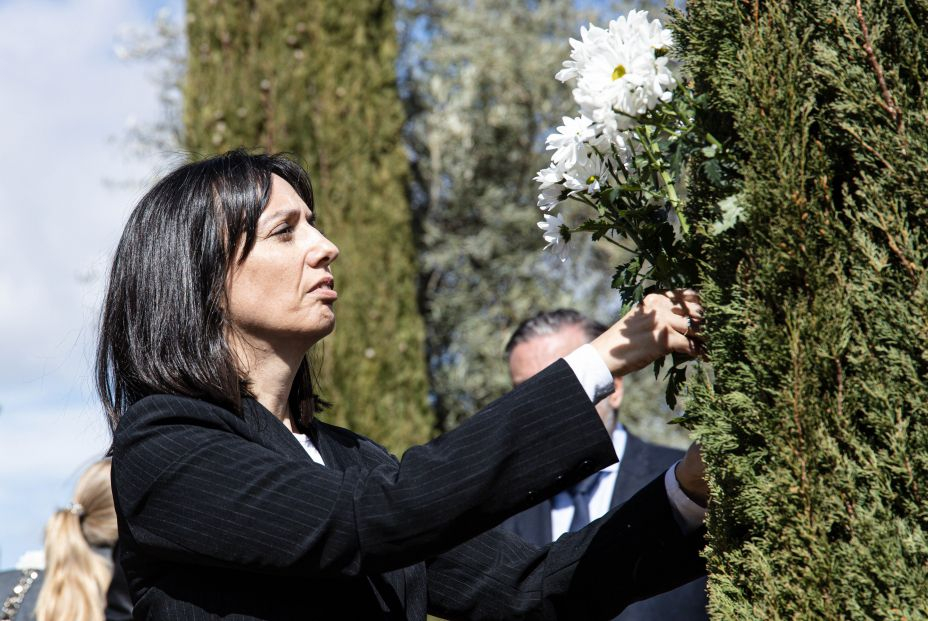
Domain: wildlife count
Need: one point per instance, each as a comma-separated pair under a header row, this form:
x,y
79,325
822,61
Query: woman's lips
x,y
324,292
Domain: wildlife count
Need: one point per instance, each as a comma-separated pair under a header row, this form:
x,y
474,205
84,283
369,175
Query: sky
x,y
67,185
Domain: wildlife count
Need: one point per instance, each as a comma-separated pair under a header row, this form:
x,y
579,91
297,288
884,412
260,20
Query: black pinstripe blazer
x,y
225,516
641,462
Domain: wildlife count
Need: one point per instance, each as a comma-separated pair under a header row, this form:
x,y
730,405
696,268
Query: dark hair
x,y
163,325
552,322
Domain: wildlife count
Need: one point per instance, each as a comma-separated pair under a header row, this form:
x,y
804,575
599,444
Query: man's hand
x,y
691,475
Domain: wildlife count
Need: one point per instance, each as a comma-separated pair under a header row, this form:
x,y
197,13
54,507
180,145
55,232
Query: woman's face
x,y
281,297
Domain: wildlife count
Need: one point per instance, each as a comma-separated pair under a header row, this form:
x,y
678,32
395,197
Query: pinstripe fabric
x,y
226,517
641,463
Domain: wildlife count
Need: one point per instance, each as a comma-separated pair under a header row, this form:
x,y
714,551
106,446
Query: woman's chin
x,y
323,327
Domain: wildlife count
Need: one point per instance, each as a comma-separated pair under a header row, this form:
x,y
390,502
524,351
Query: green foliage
x,y
318,79
481,100
479,107
815,431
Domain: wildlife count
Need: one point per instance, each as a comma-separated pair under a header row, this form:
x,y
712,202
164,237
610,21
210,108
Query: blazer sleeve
x,y
189,487
633,552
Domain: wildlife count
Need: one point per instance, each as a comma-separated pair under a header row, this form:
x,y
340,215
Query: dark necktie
x,y
580,494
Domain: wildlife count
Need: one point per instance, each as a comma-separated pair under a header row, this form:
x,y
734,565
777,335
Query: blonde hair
x,y
76,577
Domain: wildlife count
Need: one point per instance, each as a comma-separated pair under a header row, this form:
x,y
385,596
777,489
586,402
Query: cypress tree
x,y
318,79
815,430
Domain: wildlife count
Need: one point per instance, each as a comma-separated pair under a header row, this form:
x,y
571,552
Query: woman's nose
x,y
322,252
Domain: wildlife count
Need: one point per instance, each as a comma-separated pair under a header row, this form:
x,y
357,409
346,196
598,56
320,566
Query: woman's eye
x,y
282,230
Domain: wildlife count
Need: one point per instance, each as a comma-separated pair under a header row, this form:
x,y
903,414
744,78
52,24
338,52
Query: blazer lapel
x,y
534,524
634,469
333,452
544,518
270,432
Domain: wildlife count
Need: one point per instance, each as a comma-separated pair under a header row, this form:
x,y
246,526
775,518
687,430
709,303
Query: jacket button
x,y
531,495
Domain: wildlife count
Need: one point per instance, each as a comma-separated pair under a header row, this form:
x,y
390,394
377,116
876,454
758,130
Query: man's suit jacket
x,y
225,516
640,464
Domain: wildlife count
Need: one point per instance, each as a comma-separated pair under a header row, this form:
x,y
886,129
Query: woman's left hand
x,y
691,475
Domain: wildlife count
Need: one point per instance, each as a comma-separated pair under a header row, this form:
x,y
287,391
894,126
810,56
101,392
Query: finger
x,y
690,309
692,314
685,300
691,295
683,295
685,325
690,346
678,320
696,323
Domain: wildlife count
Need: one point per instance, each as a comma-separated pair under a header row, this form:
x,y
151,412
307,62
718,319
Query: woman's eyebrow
x,y
285,213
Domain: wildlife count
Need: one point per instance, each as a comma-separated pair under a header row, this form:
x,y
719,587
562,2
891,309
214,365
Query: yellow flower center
x,y
618,72
591,180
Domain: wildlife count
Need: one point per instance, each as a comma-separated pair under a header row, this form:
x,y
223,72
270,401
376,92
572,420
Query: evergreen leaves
x,y
816,429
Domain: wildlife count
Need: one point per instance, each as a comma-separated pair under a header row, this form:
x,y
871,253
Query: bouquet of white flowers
x,y
621,159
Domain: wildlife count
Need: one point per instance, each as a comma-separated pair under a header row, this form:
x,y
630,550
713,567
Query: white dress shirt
x,y
562,506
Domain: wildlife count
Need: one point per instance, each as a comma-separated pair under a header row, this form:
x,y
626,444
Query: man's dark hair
x,y
552,322
163,325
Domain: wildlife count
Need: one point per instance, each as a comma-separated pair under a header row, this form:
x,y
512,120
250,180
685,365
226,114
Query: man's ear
x,y
615,399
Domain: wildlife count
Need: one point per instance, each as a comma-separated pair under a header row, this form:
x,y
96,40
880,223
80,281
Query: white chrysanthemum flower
x,y
551,226
616,142
588,175
570,142
550,197
547,177
621,72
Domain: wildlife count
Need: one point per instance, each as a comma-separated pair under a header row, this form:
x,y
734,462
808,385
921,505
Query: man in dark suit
x,y
536,343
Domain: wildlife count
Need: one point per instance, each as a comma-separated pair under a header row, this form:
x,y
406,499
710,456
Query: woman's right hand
x,y
662,323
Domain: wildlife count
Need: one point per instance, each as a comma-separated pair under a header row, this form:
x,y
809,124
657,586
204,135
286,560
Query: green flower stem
x,y
674,201
584,198
615,243
658,164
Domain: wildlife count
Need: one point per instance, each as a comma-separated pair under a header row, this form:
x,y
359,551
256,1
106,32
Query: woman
x,y
235,501
78,545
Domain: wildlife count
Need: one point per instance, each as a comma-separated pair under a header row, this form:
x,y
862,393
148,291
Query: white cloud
x,y
65,96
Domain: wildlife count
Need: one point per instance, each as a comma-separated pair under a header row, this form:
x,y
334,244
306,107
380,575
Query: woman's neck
x,y
270,375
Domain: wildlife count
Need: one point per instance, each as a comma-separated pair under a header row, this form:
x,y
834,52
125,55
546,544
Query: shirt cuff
x,y
688,514
592,372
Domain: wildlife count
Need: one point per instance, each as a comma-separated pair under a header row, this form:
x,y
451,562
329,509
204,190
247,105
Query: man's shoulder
x,y
658,453
641,463
532,524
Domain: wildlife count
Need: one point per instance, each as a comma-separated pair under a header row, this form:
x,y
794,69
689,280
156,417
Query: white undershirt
x,y
310,448
597,383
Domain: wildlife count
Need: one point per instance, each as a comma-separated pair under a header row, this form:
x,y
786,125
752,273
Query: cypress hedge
x,y
815,430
